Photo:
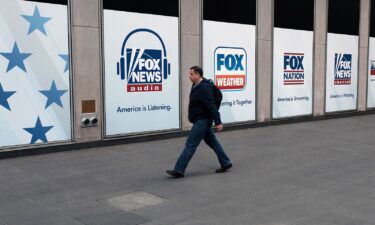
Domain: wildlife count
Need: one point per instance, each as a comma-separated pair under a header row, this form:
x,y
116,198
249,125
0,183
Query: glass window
x,y
372,20
141,50
159,7
229,37
343,17
35,104
294,14
231,11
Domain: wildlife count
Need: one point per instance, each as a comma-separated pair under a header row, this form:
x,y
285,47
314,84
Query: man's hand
x,y
219,127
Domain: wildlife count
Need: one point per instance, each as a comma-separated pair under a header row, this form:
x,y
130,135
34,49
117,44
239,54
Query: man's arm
x,y
208,101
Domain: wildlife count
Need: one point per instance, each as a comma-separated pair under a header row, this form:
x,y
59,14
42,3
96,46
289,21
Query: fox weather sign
x,y
143,69
230,68
343,69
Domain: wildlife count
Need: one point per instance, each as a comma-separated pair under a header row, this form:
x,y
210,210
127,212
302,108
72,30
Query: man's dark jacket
x,y
202,103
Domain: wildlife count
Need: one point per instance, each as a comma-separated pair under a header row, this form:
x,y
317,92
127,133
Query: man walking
x,y
202,113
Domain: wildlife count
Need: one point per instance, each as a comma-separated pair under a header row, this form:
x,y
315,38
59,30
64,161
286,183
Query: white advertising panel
x,y
141,72
34,73
371,75
292,72
229,60
341,72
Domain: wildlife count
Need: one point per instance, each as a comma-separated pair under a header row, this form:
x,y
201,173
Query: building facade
x,y
96,71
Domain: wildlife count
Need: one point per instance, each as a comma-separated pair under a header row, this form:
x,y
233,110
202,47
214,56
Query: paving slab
x,y
311,173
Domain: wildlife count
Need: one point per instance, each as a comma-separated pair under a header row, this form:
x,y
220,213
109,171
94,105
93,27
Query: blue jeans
x,y
201,130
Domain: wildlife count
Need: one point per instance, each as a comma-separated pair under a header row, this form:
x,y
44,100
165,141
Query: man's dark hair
x,y
197,70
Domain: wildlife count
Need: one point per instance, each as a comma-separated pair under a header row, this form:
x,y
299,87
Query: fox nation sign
x,y
292,73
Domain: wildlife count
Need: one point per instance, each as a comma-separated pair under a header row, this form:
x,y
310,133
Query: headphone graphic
x,y
166,66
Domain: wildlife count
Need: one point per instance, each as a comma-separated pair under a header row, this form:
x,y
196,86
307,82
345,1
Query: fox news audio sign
x,y
229,60
141,72
292,72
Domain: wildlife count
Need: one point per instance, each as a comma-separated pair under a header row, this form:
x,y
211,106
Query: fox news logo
x,y
294,71
230,68
372,72
143,68
146,74
343,69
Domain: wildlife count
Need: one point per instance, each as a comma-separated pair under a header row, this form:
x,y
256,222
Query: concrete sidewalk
x,y
313,173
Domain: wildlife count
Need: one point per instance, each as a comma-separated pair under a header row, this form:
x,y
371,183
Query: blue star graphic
x,y
53,95
4,95
15,58
66,59
38,132
36,21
